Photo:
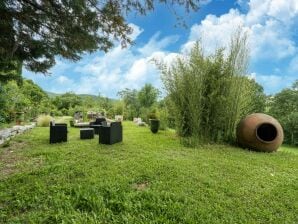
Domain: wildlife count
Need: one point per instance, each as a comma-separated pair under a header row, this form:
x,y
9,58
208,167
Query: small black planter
x,y
154,125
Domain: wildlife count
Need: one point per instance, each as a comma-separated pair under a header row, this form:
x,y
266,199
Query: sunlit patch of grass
x,y
148,178
287,148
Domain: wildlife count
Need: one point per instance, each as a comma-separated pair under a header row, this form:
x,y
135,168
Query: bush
x,y
64,112
2,119
152,114
209,94
290,126
144,114
163,117
44,120
56,113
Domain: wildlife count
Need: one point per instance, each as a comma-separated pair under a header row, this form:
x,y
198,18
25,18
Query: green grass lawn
x,y
149,178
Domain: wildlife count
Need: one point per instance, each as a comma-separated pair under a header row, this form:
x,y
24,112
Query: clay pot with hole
x,y
260,132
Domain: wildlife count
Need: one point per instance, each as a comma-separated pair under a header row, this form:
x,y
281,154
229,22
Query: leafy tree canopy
x,y
285,102
258,97
148,95
34,32
284,107
67,101
10,70
33,92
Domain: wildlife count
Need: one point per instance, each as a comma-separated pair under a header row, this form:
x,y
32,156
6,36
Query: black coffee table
x,y
86,133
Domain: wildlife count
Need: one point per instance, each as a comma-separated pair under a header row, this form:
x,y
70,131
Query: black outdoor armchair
x,y
110,134
58,132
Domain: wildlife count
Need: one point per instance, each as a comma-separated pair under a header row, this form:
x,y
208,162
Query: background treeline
x,y
29,98
205,98
19,95
284,107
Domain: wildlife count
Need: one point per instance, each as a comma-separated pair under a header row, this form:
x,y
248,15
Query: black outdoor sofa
x,y
58,132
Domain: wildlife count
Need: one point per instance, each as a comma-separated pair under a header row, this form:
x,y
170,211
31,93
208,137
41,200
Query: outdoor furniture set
x,y
108,133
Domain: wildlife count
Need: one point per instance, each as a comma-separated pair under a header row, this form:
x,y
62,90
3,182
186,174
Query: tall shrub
x,y
284,107
209,94
44,120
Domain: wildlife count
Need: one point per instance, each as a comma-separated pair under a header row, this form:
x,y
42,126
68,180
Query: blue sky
x,y
270,24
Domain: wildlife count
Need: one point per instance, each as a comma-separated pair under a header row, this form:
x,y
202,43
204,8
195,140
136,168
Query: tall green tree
x,y
258,98
131,103
284,107
33,32
16,100
148,95
36,97
33,92
67,101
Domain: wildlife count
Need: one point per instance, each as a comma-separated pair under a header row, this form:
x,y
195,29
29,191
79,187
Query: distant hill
x,y
52,95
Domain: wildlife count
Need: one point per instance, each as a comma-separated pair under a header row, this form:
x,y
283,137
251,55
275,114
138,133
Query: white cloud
x,y
273,83
268,24
282,10
137,70
271,41
156,44
165,58
214,32
293,68
136,31
130,67
63,80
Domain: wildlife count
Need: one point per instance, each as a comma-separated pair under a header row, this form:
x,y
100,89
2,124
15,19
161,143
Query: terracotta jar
x,y
260,132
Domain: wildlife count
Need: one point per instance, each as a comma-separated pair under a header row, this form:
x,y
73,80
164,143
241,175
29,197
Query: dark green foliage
x,y
33,92
147,96
284,107
37,97
67,101
16,100
3,101
140,103
28,98
34,32
258,98
290,126
152,114
10,70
